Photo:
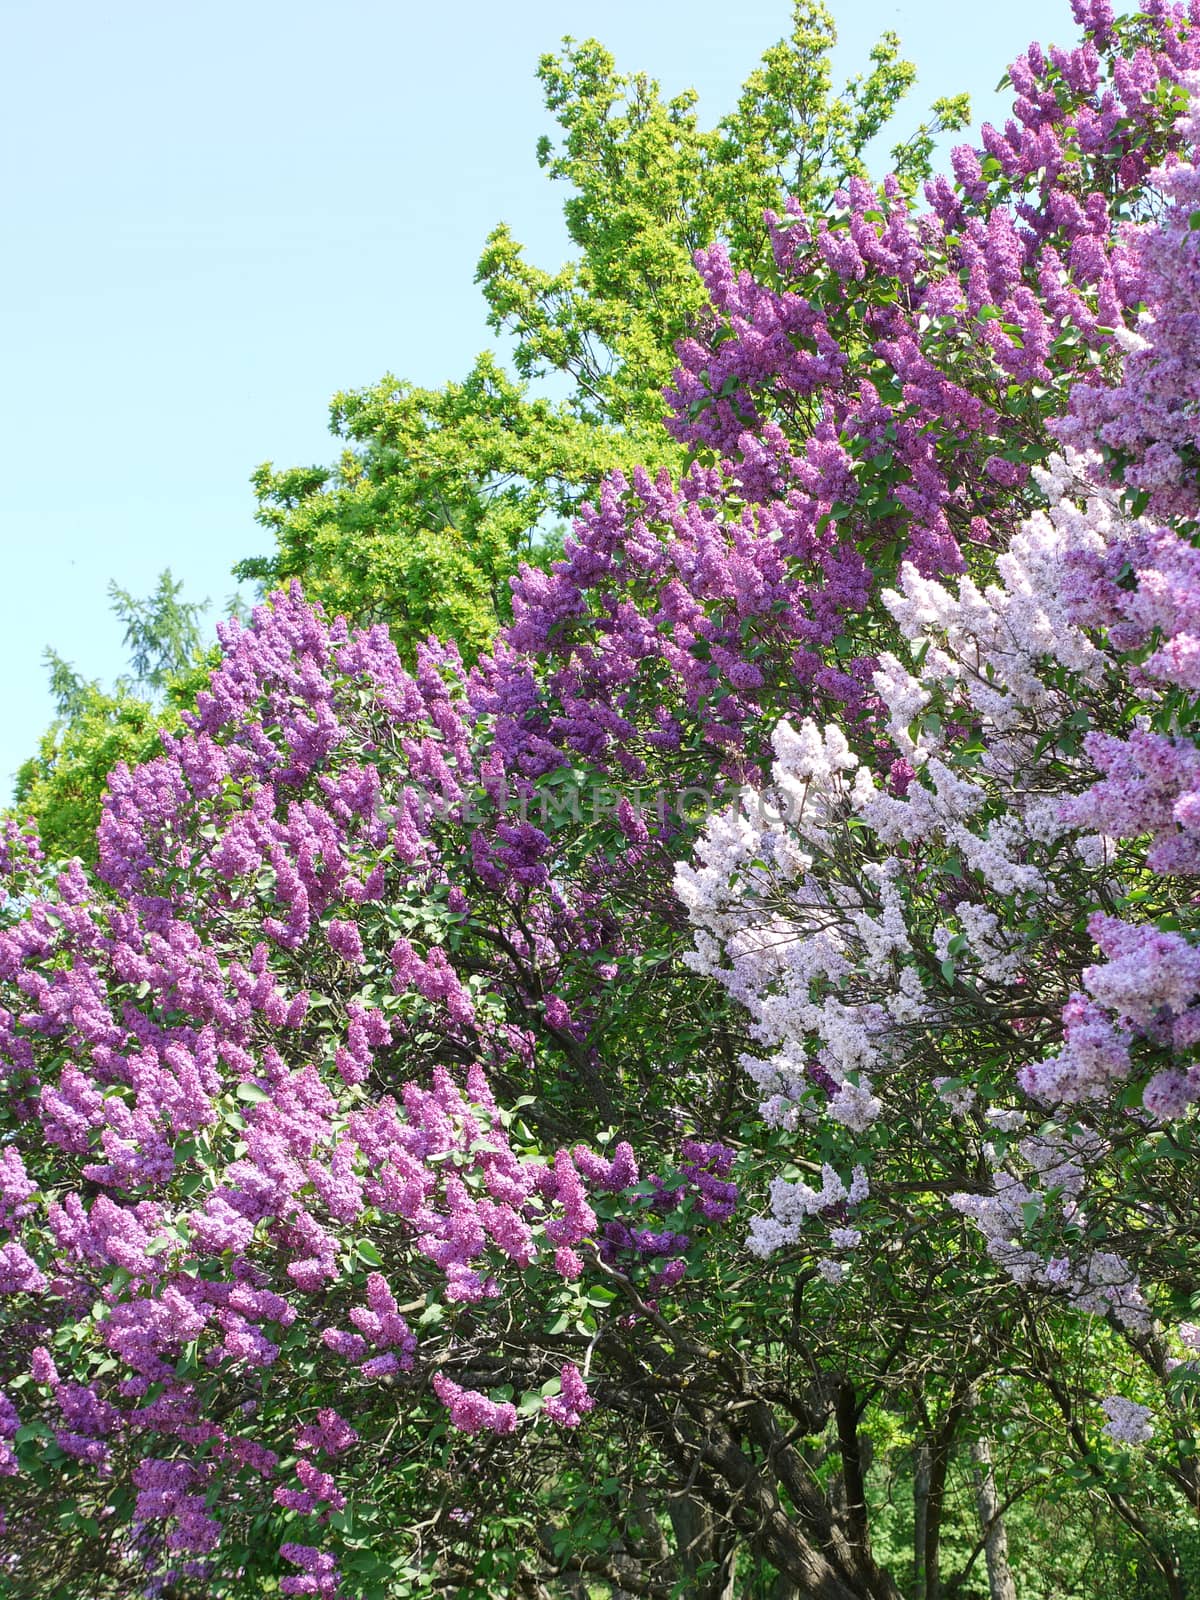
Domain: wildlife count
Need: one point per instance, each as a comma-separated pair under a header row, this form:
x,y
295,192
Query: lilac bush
x,y
988,971
203,1071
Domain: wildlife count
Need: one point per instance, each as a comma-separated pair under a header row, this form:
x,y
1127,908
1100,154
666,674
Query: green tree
x,y
163,633
438,494
651,187
62,787
436,497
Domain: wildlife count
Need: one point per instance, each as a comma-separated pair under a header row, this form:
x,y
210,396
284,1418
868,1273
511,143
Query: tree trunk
x,y
854,1467
920,1516
991,1523
743,1471
941,1448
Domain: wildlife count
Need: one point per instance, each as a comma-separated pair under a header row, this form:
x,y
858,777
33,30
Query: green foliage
x,y
62,787
436,497
162,632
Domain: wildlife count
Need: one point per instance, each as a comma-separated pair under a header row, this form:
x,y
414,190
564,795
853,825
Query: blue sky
x,y
221,214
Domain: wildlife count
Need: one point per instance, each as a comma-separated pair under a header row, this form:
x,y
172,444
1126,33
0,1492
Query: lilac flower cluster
x,y
627,1243
173,1491
472,1412
10,1421
572,1403
318,1571
21,858
1128,1422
